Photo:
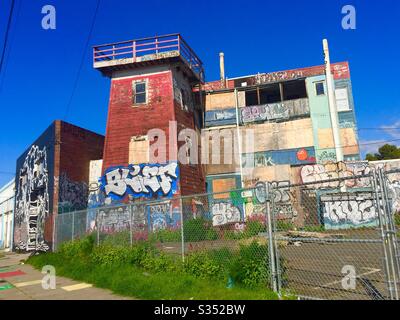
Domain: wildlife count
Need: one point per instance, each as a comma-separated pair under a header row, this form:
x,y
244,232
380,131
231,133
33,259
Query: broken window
x,y
139,95
293,90
264,95
251,98
270,94
319,88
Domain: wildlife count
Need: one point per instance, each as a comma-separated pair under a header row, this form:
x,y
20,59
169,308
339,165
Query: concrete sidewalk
x,y
20,281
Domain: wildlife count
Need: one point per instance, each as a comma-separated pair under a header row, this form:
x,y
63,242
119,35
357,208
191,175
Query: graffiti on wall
x,y
265,112
281,196
224,213
114,219
394,193
162,216
280,157
327,156
32,202
283,208
143,180
72,195
393,187
275,111
318,174
279,76
220,117
343,211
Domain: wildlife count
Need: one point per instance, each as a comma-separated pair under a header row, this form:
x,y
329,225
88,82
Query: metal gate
x,y
336,238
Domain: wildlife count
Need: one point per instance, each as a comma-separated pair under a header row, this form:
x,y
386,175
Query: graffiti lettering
x,y
141,180
343,211
225,212
327,156
318,173
72,194
158,216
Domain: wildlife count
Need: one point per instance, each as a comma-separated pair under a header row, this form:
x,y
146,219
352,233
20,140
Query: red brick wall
x,y
192,176
77,148
125,120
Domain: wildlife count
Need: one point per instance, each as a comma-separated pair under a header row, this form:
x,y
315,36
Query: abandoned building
x,y
156,81
52,177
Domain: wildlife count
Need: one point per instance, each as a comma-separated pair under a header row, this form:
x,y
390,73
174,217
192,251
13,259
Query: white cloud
x,y
393,130
370,146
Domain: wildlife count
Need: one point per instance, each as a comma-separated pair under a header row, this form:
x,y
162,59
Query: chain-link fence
x,y
334,238
324,239
215,228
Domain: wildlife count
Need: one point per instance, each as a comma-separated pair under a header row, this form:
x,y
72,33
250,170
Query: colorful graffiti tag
x,y
318,174
162,215
280,157
224,213
275,111
143,180
349,210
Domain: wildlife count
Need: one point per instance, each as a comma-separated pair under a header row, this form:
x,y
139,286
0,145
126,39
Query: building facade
x,y
7,198
289,116
263,127
153,115
52,178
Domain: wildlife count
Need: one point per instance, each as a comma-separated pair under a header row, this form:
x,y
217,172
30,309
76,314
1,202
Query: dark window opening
x,y
251,98
270,94
319,88
294,90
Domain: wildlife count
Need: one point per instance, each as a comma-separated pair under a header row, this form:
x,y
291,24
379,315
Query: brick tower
x,y
151,101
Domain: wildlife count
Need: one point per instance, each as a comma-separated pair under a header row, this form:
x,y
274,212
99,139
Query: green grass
x,y
397,219
129,280
145,272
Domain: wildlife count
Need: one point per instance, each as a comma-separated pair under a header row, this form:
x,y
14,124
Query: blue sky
x,y
256,36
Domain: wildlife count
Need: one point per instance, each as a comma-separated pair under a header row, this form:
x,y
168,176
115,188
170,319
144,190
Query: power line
x,y
7,34
82,60
6,59
380,128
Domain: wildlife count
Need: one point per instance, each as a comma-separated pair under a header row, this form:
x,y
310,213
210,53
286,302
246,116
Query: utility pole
x,y
332,103
239,136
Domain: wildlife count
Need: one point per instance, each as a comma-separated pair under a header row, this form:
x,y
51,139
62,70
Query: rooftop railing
x,y
151,49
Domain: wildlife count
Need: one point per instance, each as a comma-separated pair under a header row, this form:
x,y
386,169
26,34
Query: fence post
x,y
130,225
73,225
182,234
381,218
98,226
271,245
54,231
390,236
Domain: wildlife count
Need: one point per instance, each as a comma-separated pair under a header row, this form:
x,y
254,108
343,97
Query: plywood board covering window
x,y
342,99
222,185
139,150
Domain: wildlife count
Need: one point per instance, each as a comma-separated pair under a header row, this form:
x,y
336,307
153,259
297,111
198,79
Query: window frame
x,y
316,90
135,93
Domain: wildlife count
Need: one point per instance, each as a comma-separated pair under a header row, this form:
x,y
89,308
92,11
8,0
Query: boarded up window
x,y
139,150
342,99
222,185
